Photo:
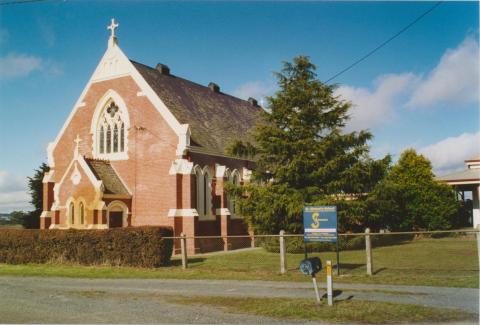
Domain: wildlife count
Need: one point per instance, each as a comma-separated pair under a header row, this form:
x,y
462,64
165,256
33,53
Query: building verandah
x,y
466,183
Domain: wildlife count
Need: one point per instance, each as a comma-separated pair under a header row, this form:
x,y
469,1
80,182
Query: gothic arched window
x,y
82,213
207,193
232,205
111,132
71,212
102,139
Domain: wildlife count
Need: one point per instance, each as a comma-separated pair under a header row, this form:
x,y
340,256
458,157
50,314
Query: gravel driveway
x,y
68,300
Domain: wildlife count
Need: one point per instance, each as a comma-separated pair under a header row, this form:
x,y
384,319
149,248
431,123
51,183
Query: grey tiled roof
x,y
215,118
104,172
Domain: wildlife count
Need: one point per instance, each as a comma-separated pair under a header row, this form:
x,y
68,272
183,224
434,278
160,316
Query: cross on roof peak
x,y
112,27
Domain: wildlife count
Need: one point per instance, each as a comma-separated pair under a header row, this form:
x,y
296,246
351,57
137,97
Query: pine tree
x,y
303,153
35,184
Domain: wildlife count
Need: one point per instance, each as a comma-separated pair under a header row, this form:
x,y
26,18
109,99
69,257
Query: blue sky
x,y
421,90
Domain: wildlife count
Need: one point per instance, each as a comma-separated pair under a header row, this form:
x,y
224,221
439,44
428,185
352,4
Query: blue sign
x,y
320,223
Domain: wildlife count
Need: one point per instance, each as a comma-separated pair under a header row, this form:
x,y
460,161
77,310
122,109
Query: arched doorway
x,y
117,213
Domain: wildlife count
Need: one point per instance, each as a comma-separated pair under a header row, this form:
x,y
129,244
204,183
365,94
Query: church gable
x,y
78,181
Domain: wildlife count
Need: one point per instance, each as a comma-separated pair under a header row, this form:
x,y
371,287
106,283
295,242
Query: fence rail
x,y
281,253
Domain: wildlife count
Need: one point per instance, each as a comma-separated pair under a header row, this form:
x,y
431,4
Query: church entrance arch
x,y
117,213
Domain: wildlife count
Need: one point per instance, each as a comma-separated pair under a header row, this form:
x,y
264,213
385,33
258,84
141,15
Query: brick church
x,y
142,147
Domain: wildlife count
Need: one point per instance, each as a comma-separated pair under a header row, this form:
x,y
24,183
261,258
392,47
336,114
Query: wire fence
x,y
429,255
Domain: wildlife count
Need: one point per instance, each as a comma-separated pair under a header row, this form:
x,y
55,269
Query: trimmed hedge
x,y
138,246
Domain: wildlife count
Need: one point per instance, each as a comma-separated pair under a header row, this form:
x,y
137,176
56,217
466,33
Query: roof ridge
x,y
190,81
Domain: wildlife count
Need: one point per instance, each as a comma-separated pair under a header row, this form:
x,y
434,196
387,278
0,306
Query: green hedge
x,y
140,247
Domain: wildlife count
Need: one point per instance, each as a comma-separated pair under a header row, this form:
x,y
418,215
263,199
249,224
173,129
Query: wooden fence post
x,y
283,253
368,250
478,243
183,245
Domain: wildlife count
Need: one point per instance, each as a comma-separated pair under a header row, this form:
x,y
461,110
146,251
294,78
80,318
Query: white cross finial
x,y
77,147
112,27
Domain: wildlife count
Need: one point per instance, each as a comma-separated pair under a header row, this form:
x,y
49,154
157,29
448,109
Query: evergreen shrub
x,y
138,247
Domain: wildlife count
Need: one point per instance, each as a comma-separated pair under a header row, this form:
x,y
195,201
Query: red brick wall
x,y
151,151
84,189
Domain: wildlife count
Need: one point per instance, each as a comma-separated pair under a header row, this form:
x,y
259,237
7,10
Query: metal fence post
x,y
368,250
183,245
283,253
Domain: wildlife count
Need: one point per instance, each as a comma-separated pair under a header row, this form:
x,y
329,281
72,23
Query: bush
x,y
140,247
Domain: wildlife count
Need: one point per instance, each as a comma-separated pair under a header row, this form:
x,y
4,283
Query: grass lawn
x,y
451,262
344,311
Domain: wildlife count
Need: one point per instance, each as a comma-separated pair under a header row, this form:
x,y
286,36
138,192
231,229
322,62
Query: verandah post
x,y
368,250
283,253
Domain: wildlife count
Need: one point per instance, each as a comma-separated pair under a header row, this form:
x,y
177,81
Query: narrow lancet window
x,y
72,213
205,187
115,139
109,139
122,138
82,214
102,140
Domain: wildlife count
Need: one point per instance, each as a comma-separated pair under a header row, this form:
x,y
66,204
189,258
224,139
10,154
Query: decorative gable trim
x,y
77,161
115,64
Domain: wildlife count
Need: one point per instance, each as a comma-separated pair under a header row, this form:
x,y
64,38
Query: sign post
x,y
320,225
329,283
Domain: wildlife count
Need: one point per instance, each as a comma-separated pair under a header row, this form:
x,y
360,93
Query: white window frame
x,y
97,121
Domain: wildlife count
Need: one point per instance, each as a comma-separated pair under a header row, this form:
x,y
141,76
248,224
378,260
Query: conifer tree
x,y
303,153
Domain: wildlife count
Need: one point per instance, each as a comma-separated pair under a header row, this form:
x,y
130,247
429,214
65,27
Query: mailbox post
x,y
311,266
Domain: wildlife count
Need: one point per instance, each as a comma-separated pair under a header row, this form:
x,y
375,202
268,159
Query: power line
x,y
19,2
404,29
416,20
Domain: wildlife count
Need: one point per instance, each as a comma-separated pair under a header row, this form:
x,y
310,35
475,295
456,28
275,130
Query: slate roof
x,y
215,118
104,172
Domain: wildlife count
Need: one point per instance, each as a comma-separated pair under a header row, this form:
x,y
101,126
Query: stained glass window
x,y
102,139
109,139
111,132
122,138
115,138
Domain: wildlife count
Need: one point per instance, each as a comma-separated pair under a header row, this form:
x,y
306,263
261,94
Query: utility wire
x,y
19,2
404,29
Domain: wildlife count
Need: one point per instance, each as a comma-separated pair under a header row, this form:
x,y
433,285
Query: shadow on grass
x,y
349,266
379,270
337,293
191,260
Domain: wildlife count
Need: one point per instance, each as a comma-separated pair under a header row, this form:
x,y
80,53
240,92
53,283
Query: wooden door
x,y
115,219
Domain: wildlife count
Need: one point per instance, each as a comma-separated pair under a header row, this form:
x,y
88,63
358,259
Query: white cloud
x,y
12,201
255,89
13,193
18,65
449,154
454,80
372,108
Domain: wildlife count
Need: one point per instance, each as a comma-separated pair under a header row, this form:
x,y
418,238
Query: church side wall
x,y
151,150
